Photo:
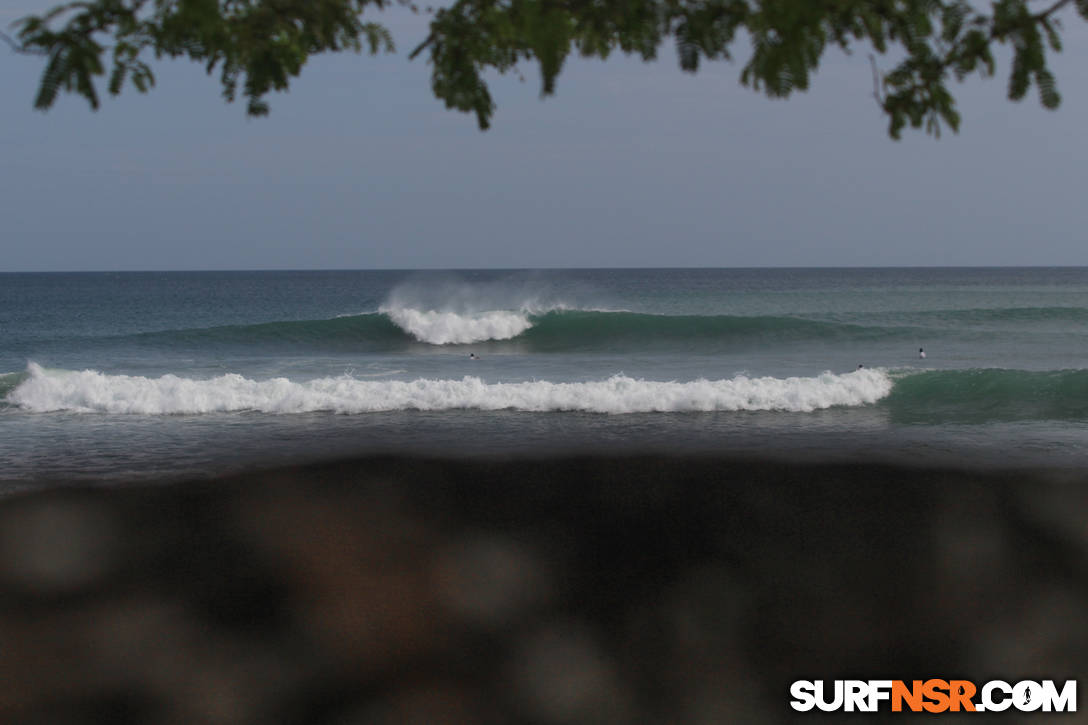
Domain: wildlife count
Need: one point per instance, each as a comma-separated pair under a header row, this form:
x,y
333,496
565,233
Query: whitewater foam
x,y
452,328
93,391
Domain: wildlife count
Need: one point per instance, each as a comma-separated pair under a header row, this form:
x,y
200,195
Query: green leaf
x,y
264,45
1048,91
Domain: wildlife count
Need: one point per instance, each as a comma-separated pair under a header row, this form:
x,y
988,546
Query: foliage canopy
x,y
260,45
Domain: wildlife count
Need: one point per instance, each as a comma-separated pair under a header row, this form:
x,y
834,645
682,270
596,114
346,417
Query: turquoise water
x,y
107,375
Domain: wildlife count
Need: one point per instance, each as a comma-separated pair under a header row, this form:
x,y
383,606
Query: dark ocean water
x,y
132,375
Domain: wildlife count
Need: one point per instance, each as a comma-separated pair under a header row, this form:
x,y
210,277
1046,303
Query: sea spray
x,y
92,391
446,328
455,311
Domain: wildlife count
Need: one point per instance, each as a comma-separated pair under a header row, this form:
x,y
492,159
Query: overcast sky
x,y
630,164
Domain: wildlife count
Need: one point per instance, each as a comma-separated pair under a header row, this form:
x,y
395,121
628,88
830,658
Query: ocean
x,y
171,375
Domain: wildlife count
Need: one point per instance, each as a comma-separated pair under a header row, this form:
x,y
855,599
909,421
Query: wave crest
x,y
92,391
985,394
452,328
553,329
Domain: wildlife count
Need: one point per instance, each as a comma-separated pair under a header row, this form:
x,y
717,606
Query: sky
x,y
630,164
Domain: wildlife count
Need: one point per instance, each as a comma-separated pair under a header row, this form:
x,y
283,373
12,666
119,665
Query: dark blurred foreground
x,y
582,590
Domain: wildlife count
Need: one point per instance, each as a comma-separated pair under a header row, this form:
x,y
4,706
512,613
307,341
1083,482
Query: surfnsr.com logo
x,y
933,696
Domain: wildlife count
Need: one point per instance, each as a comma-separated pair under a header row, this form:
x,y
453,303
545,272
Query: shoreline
x,y
172,450
607,588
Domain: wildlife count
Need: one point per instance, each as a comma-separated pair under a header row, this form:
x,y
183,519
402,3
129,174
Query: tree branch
x,y
876,82
1051,10
421,47
17,47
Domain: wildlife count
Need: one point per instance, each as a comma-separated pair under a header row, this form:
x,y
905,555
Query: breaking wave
x,y
90,391
551,330
908,396
451,328
10,381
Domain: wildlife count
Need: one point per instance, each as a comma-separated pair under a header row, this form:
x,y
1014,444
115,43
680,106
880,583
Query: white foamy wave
x,y
452,328
91,391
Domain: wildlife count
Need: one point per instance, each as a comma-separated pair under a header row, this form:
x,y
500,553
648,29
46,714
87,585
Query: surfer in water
x,y
921,353
472,356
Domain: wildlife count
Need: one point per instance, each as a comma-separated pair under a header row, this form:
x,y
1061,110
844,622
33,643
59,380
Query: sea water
x,y
166,375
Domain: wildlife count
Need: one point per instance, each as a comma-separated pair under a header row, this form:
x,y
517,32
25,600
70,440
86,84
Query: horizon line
x,y
537,269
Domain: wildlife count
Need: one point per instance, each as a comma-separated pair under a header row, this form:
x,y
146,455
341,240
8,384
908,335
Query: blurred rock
x,y
490,581
561,676
565,590
56,545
